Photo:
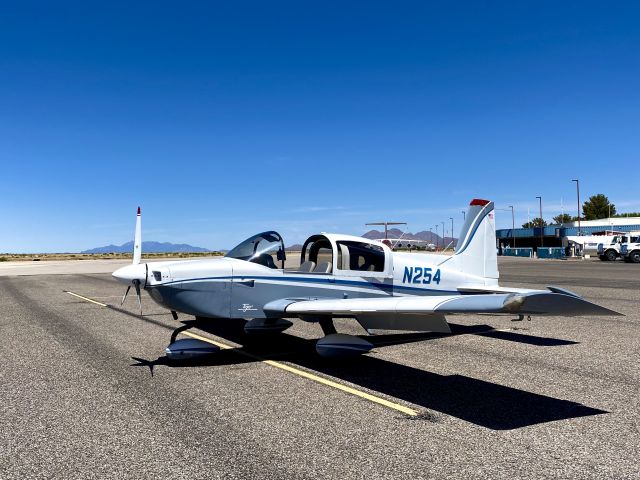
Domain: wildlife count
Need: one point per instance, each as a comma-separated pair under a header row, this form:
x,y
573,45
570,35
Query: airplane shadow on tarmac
x,y
482,403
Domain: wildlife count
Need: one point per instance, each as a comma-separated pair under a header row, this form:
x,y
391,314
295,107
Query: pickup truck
x,y
609,250
630,252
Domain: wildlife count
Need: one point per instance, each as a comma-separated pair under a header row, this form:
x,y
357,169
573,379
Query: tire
x,y
603,258
611,255
635,256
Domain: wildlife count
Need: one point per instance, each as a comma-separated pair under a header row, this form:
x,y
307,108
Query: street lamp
x,y
578,192
513,227
443,245
451,218
541,223
464,215
438,238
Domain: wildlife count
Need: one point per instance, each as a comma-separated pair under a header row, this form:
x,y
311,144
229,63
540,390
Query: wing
x,y
535,303
427,312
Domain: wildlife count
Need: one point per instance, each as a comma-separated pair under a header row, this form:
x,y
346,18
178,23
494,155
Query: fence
x,y
518,252
551,252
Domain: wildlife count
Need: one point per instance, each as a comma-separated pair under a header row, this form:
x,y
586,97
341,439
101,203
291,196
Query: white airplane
x,y
345,276
395,243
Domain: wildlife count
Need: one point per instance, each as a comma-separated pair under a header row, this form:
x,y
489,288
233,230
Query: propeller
x,y
134,274
136,283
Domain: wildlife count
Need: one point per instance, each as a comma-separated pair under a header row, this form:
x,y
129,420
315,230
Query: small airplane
x,y
343,276
394,243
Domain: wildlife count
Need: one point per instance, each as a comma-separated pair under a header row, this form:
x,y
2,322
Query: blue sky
x,y
222,119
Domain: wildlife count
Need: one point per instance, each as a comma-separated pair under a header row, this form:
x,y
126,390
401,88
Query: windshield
x,y
265,248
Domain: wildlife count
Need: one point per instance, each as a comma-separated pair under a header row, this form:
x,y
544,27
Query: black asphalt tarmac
x,y
549,398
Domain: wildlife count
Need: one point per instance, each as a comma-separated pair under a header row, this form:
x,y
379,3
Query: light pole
x,y
541,223
437,239
464,216
451,218
578,192
513,227
443,245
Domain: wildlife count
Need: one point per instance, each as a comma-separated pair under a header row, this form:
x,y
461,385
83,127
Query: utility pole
x,y
578,192
541,223
451,218
513,227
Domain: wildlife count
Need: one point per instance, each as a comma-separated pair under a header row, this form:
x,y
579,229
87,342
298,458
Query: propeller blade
x,y
136,283
124,297
137,240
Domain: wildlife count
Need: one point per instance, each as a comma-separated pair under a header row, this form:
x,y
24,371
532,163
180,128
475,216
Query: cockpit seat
x,y
265,260
307,266
323,267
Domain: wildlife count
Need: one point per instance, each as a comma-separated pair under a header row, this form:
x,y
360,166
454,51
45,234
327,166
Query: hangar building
x,y
552,235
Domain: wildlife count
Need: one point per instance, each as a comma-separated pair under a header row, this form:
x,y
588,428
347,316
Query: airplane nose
x,y
130,273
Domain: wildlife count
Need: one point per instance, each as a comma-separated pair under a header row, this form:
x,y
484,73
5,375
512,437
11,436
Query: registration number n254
x,y
421,275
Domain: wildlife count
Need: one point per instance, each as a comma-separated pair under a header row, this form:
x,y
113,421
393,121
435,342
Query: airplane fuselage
x,y
233,288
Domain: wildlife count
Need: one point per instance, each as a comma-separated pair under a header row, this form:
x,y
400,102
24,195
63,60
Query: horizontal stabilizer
x,y
536,303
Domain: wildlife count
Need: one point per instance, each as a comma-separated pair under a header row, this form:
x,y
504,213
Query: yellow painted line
x,y
223,346
290,369
315,378
86,299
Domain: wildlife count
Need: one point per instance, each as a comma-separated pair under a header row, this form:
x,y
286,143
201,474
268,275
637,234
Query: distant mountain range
x,y
149,247
166,247
397,233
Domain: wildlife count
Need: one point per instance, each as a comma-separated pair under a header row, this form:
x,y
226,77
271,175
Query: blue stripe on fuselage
x,y
388,287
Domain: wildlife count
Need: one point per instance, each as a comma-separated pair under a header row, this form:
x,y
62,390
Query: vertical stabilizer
x,y
476,248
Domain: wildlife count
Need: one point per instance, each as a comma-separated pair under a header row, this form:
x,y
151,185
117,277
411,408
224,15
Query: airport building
x,y
552,235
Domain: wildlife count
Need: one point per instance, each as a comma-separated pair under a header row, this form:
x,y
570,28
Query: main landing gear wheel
x,y
339,345
188,348
262,326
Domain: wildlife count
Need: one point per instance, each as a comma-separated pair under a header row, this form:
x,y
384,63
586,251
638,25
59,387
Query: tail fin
x,y
476,248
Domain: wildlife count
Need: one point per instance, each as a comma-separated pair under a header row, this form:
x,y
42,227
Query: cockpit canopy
x,y
345,255
328,254
266,248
